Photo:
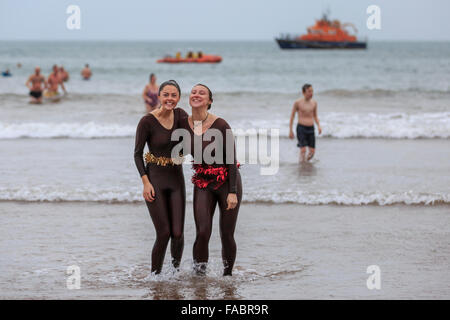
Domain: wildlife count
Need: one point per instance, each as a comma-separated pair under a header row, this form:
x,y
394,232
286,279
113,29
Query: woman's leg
x,y
227,225
160,218
177,206
204,205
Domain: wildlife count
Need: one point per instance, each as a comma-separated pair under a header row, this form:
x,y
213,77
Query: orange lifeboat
x,y
325,34
328,31
192,59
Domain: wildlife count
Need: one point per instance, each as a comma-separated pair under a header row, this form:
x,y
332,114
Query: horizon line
x,y
210,40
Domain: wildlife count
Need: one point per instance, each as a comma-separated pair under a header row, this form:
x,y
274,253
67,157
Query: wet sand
x,y
286,251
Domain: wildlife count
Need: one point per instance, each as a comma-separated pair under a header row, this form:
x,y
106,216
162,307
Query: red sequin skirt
x,y
205,175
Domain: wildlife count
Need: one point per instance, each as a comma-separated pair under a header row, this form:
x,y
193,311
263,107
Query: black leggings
x,y
167,213
205,201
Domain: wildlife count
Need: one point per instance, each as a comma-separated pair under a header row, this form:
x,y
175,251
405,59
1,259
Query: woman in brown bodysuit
x,y
214,183
164,189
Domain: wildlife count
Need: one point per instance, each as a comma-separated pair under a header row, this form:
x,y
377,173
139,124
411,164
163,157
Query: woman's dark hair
x,y
209,91
169,83
151,75
305,87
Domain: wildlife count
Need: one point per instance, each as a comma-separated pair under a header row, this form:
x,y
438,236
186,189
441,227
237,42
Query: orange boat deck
x,y
329,31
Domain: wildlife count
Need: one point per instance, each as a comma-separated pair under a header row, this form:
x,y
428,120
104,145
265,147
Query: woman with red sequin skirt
x,y
216,178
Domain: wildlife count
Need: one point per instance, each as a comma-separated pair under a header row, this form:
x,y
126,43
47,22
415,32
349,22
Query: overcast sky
x,y
216,19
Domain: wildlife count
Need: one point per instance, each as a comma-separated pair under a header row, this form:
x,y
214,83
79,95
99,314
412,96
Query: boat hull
x,y
302,44
204,59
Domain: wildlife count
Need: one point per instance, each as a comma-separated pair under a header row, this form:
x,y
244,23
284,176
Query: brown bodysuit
x,y
207,197
168,209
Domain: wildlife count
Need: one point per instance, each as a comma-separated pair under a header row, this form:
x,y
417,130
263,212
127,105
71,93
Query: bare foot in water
x,y
200,268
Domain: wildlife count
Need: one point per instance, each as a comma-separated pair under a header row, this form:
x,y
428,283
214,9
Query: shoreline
x,y
438,203
293,251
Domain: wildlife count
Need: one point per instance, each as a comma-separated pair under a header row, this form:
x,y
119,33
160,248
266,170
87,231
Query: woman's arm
x,y
231,163
142,133
183,123
230,159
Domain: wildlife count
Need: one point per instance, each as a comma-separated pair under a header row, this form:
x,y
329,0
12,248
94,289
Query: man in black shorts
x,y
35,83
307,115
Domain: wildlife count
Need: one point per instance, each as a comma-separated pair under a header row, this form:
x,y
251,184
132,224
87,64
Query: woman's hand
x,y
149,192
232,201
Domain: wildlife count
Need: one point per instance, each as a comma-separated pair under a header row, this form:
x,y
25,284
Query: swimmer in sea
x,y
63,74
86,73
150,94
35,83
53,82
306,108
6,73
162,176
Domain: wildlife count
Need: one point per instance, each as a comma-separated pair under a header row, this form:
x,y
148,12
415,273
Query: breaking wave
x,y
434,125
331,197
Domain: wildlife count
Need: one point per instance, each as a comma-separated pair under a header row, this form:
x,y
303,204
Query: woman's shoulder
x,y
181,113
182,118
220,123
147,118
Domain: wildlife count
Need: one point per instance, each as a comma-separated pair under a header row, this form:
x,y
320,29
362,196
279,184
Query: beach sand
x,y
285,251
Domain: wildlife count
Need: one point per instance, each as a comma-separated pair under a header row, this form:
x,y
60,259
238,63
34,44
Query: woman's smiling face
x,y
169,97
199,97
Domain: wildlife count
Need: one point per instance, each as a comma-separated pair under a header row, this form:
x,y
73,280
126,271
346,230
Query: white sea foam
x,y
334,125
352,198
45,193
356,125
115,195
390,126
65,130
